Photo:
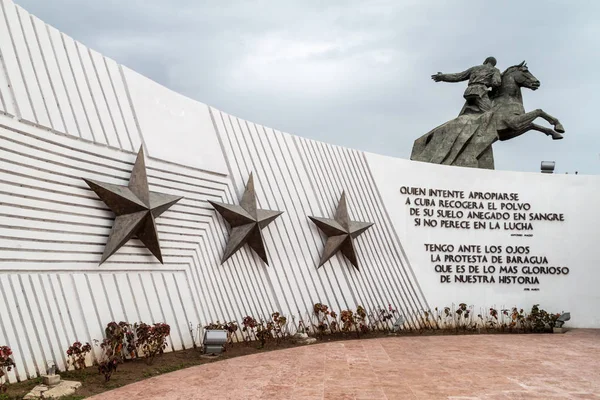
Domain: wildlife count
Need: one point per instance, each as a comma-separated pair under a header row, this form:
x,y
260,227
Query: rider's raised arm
x,y
459,77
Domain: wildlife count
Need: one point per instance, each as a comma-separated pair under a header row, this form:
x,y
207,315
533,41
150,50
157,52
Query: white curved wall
x,y
68,113
572,243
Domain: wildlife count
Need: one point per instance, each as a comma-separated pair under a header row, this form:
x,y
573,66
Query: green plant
x,y
445,318
321,311
231,328
493,321
115,336
429,319
249,324
129,337
278,323
360,320
108,361
76,354
214,326
535,319
112,348
386,315
463,317
301,327
333,325
540,320
348,321
152,340
552,318
263,332
517,319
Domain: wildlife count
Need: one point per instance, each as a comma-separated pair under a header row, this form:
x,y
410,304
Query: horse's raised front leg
x,y
518,122
547,131
513,133
552,121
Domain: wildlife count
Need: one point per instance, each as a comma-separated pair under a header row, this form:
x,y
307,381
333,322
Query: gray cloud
x,y
356,73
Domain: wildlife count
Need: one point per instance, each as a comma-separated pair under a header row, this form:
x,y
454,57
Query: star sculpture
x,y
341,233
136,209
246,222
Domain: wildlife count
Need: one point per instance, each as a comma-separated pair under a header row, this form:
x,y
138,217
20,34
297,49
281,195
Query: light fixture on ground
x,y
214,340
560,321
398,324
548,167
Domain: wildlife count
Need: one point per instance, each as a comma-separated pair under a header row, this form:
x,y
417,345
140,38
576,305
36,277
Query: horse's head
x,y
521,76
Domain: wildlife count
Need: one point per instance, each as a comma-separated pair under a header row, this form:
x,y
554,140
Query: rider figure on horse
x,y
481,78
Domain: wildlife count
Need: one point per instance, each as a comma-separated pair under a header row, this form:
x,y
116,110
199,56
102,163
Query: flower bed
x,y
132,349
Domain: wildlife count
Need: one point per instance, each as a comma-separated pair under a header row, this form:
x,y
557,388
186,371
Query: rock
x,y
51,380
559,330
36,392
64,388
302,338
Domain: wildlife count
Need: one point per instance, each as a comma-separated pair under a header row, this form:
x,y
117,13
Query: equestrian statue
x,y
493,110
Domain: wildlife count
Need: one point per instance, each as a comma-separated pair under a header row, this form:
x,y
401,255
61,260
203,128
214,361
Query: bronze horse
x,y
512,120
467,140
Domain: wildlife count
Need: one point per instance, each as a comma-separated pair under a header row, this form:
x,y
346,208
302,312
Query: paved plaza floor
x,y
546,366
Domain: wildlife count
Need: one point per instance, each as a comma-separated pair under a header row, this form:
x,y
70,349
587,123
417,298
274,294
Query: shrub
x,y
278,323
263,332
333,326
540,320
152,340
107,366
301,327
215,326
321,311
249,324
76,354
112,348
347,317
517,318
109,359
130,341
464,318
552,318
231,328
6,365
385,316
361,318
115,336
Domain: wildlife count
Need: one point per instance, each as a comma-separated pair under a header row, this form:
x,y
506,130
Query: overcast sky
x,y
357,73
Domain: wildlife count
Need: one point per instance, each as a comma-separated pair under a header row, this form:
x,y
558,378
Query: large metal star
x,y
340,233
136,209
246,222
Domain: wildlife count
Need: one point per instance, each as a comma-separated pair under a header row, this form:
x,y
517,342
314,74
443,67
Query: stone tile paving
x,y
485,367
